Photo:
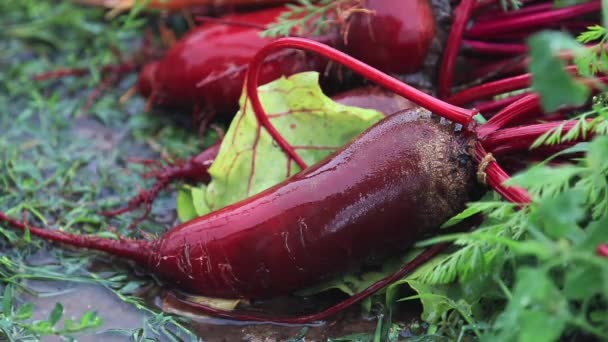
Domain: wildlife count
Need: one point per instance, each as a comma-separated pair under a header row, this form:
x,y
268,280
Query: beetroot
x,y
394,183
395,37
205,69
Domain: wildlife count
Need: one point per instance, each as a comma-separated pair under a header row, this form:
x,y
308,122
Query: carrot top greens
x,y
310,17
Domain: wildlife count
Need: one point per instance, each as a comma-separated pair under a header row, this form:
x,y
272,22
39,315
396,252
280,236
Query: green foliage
x,y
594,60
536,312
249,160
477,258
10,320
13,324
554,84
559,281
588,177
595,32
510,5
308,17
566,3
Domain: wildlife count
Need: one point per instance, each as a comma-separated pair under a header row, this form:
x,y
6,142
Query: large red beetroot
x,y
205,69
393,36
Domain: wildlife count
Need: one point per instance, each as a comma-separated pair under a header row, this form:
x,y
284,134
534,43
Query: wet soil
x,y
120,319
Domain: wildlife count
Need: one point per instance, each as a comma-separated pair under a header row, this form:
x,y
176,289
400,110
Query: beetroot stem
x,y
510,66
448,111
490,89
495,27
493,105
511,84
521,138
494,88
494,48
499,14
136,250
481,5
446,72
496,177
516,110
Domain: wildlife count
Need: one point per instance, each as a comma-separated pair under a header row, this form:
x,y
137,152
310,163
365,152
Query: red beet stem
x,y
380,284
446,72
521,109
510,66
515,139
510,84
516,110
446,110
496,176
490,89
493,105
483,4
573,26
499,14
136,250
495,88
492,28
494,48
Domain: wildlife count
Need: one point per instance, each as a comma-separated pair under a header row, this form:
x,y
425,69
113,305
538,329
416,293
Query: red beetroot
x,y
206,68
394,36
317,223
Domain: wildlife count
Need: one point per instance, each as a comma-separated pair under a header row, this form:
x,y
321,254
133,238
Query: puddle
x,y
77,299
